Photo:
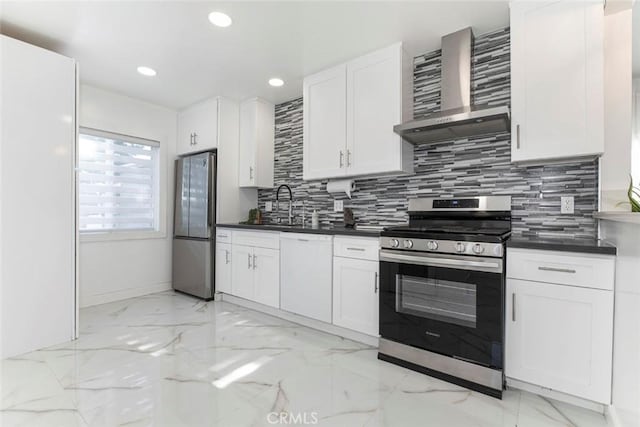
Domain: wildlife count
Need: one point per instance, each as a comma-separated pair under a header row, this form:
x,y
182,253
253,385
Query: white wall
x,y
626,334
116,269
615,164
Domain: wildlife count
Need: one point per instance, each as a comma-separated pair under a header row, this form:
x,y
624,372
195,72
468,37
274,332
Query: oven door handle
x,y
431,261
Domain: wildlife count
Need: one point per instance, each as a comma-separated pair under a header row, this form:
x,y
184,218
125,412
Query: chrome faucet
x,y
290,203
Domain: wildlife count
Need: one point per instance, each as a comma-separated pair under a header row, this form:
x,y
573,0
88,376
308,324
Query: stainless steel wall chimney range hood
x,y
457,117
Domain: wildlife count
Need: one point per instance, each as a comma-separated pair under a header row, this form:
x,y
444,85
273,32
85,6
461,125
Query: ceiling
x,y
196,60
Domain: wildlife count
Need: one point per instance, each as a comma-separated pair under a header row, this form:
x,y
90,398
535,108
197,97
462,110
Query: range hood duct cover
x,y
457,118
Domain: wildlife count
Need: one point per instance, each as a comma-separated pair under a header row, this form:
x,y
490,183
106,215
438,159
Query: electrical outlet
x,y
566,205
268,206
338,205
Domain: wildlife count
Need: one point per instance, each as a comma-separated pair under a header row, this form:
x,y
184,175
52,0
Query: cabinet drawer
x,y
583,270
356,247
223,235
258,239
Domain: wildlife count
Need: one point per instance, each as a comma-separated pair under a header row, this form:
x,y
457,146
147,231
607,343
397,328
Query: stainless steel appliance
x,y
442,281
194,225
458,118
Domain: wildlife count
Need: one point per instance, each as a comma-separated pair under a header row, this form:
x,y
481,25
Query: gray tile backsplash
x,y
464,167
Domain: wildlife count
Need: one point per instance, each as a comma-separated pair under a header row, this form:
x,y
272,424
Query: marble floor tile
x,y
170,360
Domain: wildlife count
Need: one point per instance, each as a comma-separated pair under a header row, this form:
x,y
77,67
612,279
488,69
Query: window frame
x,y
159,195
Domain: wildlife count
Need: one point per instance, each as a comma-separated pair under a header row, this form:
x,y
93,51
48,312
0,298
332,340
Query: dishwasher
x,y
306,274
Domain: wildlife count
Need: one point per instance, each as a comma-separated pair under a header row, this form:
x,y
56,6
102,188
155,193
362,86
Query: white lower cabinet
x,y
322,277
255,274
355,294
558,336
241,272
223,268
266,264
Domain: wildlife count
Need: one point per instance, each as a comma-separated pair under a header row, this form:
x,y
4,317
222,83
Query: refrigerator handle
x,y
211,209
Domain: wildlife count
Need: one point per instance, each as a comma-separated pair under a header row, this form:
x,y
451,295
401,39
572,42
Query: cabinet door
x,y
266,265
324,124
556,80
374,106
248,149
560,337
265,141
186,126
355,294
242,272
206,125
198,128
223,268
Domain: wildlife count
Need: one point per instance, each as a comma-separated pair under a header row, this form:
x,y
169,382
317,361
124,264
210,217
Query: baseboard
x,y
557,395
618,417
304,321
612,417
88,301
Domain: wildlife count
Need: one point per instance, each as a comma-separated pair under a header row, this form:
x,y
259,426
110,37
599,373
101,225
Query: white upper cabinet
x,y
557,81
257,133
375,104
198,127
349,113
325,123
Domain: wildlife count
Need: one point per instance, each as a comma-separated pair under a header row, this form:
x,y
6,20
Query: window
x,y
118,182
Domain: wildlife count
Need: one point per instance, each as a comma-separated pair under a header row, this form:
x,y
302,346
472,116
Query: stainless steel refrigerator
x,y
194,225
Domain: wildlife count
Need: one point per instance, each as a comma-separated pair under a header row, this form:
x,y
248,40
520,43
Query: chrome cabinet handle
x,y
513,307
518,136
249,261
226,256
348,158
341,158
254,261
191,138
223,235
356,249
250,173
557,270
195,138
375,283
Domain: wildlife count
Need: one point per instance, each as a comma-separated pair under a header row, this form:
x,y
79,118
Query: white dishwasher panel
x,y
306,274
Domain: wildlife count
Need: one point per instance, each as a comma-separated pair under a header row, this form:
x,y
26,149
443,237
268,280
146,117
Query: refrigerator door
x,y
201,191
181,218
193,267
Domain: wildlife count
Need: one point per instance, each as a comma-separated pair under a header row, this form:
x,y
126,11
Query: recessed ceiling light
x,y
220,19
276,82
146,71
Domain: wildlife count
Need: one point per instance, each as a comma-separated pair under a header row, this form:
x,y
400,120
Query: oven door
x,y
448,304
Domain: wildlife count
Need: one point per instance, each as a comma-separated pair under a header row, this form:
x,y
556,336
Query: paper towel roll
x,y
341,186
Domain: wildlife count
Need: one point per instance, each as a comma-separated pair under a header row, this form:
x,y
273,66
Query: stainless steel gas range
x,y
442,281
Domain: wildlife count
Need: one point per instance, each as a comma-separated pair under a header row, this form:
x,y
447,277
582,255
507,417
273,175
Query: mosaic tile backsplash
x,y
464,167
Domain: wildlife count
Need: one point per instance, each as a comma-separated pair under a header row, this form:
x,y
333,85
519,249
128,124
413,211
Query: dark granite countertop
x,y
581,245
298,229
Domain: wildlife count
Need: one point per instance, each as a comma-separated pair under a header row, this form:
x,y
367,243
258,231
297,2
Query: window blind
x,y
118,182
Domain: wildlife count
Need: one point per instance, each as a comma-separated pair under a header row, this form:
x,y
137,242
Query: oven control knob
x,y
432,245
478,248
394,243
460,247
408,244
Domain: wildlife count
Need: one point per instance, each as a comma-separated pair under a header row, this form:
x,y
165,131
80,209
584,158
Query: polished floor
x,y
170,360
